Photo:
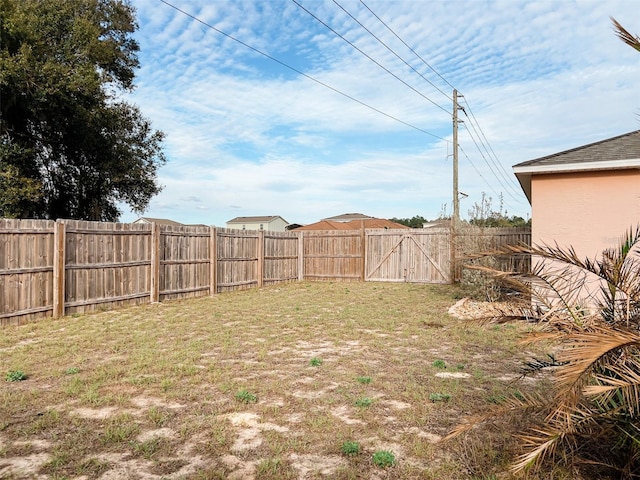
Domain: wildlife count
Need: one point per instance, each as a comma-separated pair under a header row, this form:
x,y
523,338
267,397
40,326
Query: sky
x,y
309,109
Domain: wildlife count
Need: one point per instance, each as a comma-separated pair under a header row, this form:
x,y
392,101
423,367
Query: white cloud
x,y
247,136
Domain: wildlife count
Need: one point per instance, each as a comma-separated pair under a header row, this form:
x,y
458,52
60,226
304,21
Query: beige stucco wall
x,y
589,210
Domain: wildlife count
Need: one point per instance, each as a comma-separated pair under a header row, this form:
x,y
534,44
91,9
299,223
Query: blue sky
x,y
249,135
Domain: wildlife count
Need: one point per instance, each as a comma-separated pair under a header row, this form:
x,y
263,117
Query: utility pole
x,y
456,201
455,217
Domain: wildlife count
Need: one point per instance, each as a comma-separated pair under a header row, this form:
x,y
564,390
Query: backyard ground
x,y
298,381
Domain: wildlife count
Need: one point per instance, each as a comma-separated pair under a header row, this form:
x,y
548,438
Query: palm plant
x,y
624,35
590,310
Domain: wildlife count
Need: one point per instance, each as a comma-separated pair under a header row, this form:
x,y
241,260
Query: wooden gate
x,y
408,256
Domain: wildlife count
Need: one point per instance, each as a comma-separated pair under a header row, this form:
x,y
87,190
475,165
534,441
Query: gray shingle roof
x,y
264,219
622,147
621,152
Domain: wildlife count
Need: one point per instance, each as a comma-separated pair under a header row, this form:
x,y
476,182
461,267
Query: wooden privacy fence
x,y
49,269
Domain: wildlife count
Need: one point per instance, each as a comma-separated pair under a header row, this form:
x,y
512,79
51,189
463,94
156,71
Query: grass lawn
x,y
303,380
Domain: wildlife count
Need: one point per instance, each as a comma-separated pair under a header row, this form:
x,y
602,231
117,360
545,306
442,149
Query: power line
x,y
393,52
299,72
488,164
509,179
407,45
372,59
488,145
478,171
499,195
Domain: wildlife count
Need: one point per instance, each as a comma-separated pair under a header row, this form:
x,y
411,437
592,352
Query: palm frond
x,y
541,446
589,352
625,36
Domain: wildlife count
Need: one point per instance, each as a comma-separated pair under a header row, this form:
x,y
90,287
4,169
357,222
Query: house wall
x,y
588,210
276,225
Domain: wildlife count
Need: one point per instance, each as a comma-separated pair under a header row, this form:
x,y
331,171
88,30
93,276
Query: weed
x,y
364,402
274,468
244,396
439,397
350,448
383,458
92,467
460,366
71,371
439,364
157,416
147,449
16,376
315,362
120,429
364,380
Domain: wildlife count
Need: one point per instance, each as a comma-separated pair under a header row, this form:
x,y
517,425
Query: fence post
x,y
453,271
300,256
155,263
213,258
260,266
59,245
363,246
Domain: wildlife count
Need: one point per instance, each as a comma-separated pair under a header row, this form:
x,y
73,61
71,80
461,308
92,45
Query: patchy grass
x,y
157,390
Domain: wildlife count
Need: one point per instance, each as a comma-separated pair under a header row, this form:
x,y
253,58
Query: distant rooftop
x,y
347,217
366,223
262,219
158,221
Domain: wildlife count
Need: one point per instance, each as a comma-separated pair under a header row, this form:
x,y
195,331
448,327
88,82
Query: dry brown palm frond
x,y
619,387
528,404
589,350
541,447
626,36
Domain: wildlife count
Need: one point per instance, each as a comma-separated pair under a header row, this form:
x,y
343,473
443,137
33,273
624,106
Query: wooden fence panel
x,y
237,258
52,268
26,270
472,240
184,261
333,255
106,265
417,256
280,257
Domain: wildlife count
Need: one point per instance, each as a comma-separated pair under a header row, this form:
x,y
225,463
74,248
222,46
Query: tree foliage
x,y
69,147
483,214
414,222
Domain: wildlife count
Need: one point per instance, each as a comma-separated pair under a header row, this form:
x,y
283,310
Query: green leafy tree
x,y
414,222
69,146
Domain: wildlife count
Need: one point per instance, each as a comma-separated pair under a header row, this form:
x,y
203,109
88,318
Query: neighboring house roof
x,y
159,221
347,217
368,222
621,152
442,223
263,219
